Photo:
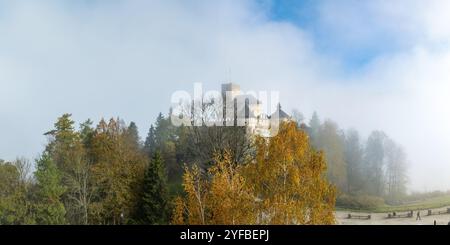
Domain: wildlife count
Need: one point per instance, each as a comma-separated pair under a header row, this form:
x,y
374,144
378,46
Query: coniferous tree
x,y
155,199
49,209
133,134
67,150
354,158
330,141
86,133
162,132
298,117
314,129
165,143
150,142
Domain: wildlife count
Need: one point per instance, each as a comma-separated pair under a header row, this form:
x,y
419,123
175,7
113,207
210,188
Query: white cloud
x,y
404,90
126,58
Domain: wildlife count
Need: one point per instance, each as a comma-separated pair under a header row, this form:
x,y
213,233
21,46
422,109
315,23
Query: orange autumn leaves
x,y
284,183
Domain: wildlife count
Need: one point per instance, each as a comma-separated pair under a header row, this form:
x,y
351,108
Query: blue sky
x,y
379,38
301,12
306,15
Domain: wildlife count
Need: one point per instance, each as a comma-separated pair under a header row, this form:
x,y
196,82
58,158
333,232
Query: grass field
x,y
429,203
379,215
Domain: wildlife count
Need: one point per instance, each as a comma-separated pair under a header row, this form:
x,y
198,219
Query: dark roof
x,y
280,113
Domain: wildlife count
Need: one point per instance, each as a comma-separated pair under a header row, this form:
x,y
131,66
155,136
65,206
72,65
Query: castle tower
x,y
233,88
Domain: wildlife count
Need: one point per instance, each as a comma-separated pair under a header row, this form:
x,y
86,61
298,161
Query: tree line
x,y
84,176
105,174
376,167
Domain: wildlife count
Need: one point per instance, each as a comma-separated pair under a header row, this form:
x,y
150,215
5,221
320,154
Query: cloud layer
x,y
124,58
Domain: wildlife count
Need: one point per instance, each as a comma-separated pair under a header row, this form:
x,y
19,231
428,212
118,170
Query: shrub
x,y
420,196
362,202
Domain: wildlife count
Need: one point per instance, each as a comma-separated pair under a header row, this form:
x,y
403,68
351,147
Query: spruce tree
x,y
154,203
150,142
49,209
314,130
133,135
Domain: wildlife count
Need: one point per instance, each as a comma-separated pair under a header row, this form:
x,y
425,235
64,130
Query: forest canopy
x,y
106,174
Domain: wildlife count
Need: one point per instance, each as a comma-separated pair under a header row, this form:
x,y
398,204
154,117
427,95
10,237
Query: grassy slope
x,y
430,203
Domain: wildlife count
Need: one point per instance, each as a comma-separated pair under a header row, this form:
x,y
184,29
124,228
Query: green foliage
x,y
422,196
117,174
49,207
13,199
105,175
354,154
373,160
163,138
330,140
86,133
155,199
67,148
150,142
417,201
133,135
359,202
314,129
377,167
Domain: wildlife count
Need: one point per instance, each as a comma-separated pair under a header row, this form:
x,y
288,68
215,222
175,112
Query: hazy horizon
x,y
374,65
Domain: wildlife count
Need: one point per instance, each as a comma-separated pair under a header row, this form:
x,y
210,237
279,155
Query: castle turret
x,y
232,88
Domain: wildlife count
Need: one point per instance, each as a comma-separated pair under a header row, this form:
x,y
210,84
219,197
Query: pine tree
x,y
354,153
314,125
155,199
133,135
164,141
86,133
331,142
49,209
354,157
67,150
150,142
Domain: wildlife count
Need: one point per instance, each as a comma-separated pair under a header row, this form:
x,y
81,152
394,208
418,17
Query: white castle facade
x,y
249,111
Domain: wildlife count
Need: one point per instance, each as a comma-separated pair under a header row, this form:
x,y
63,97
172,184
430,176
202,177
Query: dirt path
x,y
381,218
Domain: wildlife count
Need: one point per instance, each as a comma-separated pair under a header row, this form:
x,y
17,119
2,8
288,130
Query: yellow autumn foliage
x,y
283,184
219,196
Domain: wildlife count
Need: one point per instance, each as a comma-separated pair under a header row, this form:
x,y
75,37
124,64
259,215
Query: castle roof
x,y
279,113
